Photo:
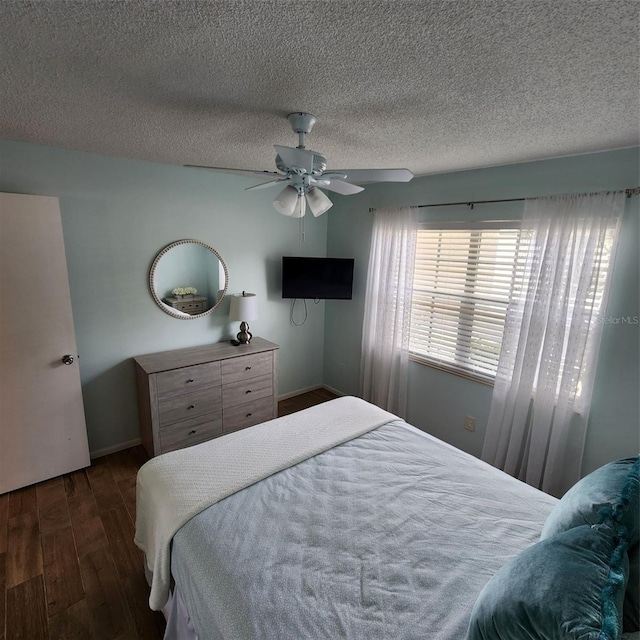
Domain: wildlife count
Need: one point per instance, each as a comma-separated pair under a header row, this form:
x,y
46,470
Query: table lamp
x,y
244,307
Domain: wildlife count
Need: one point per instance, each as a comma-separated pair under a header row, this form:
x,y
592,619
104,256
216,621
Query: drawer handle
x,y
248,415
192,432
247,368
248,391
190,380
191,406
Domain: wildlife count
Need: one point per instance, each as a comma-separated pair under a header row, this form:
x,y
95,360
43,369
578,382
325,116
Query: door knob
x,y
68,359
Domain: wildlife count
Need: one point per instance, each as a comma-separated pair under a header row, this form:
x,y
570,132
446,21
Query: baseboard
x,y
286,396
328,388
98,453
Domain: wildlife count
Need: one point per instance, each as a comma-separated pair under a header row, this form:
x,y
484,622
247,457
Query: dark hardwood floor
x,y
69,569
304,401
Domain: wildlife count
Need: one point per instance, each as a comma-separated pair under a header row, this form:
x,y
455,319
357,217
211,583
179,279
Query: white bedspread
x,y
174,487
389,536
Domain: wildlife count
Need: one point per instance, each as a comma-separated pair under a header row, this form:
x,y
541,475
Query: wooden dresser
x,y
192,305
191,395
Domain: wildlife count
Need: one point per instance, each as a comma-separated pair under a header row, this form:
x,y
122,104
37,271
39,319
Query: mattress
x,y
390,535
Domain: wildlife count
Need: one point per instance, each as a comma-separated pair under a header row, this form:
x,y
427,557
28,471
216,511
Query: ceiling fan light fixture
x,y
286,201
318,202
300,208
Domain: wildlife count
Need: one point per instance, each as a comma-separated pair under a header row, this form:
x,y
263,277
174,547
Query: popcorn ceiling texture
x,y
428,85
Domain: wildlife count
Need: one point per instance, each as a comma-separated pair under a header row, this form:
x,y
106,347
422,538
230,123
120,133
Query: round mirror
x,y
188,279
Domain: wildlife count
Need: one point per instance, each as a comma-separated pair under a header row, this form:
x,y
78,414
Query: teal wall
x,y
117,214
438,401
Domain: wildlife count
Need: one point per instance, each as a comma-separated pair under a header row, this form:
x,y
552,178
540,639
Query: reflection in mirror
x,y
188,279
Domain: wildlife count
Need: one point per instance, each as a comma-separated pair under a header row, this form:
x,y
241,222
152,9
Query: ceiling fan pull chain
x,y
301,234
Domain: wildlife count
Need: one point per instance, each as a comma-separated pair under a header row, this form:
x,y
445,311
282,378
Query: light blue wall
x,y
438,401
117,214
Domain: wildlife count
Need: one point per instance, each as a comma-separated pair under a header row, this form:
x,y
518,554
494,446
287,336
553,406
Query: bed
x,y
340,521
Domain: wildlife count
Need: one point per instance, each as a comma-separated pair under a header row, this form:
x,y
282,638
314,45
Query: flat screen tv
x,y
322,278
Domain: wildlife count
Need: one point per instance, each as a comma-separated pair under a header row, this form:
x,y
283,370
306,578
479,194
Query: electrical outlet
x,y
341,368
470,423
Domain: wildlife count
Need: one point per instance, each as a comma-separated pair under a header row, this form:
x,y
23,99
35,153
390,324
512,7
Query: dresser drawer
x,y
190,432
247,391
186,379
188,405
246,415
244,367
191,307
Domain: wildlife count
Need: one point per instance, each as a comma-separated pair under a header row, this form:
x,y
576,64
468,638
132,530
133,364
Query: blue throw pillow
x,y
568,586
631,607
610,492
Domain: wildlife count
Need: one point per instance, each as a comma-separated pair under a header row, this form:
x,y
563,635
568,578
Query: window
x,y
464,277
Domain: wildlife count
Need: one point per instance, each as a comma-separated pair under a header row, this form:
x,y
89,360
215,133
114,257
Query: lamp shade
x,y
244,307
285,202
300,208
318,202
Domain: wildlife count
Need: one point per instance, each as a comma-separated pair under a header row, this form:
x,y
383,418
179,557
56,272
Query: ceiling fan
x,y
304,172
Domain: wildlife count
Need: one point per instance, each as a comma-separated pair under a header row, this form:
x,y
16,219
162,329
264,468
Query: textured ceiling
x,y
432,85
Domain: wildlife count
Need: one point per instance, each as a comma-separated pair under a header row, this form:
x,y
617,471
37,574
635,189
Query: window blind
x,y
463,280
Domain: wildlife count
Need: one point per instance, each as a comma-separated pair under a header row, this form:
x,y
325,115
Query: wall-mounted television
x,y
321,278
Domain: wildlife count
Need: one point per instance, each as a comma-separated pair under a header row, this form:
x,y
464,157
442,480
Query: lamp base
x,y
244,336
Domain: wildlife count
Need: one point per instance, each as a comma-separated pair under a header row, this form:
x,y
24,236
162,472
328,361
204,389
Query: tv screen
x,y
325,278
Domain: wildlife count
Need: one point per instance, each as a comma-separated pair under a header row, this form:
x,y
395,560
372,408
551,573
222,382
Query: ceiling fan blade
x,y
239,172
341,187
265,185
296,158
375,175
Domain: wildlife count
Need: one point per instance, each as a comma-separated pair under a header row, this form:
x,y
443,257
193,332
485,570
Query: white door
x,y
42,426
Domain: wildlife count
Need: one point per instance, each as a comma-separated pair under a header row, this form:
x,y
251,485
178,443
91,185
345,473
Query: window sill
x,y
467,375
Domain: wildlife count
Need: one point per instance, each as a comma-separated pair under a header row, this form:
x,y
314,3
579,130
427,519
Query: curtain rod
x,y
628,192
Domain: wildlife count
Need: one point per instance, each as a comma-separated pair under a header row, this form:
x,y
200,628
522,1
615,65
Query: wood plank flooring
x,y
68,563
304,401
69,569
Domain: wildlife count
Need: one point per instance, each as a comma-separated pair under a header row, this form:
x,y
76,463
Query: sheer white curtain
x,y
387,312
542,393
